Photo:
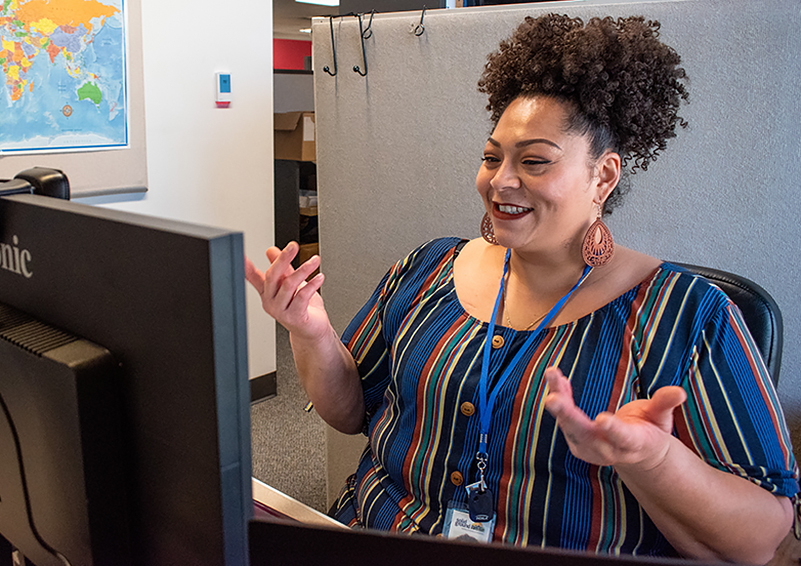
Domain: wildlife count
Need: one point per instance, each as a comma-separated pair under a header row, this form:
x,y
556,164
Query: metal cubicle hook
x,y
364,34
420,29
333,49
368,33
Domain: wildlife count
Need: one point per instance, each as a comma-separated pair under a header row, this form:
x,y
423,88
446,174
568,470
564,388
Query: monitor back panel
x,y
167,300
61,445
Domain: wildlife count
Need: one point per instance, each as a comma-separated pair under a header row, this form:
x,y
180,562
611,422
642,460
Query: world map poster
x,y
63,69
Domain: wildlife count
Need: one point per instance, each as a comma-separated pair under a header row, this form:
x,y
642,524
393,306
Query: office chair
x,y
760,311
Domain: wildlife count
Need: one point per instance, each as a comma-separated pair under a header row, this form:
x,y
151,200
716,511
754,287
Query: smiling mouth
x,y
511,210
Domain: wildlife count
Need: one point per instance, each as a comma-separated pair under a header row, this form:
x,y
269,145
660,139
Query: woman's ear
x,y
607,174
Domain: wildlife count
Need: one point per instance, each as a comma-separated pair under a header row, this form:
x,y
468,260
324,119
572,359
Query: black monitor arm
x,y
38,181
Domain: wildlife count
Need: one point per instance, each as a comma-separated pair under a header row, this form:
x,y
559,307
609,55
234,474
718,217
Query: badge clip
x,y
479,502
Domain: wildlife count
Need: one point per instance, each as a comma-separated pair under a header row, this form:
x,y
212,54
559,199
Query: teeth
x,y
509,209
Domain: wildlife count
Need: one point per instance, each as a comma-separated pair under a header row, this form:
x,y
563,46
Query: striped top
x,y
419,355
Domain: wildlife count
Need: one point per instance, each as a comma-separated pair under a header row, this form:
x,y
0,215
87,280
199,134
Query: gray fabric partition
x,y
398,151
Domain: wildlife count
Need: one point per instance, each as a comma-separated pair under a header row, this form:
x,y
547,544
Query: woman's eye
x,y
535,161
488,159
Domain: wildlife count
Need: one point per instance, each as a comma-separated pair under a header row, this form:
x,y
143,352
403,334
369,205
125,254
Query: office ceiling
x,y
290,16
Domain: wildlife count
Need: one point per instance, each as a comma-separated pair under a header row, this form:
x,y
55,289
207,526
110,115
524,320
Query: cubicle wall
x,y
398,150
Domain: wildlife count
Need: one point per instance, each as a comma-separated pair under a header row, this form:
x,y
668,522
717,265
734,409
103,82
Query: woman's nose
x,y
506,176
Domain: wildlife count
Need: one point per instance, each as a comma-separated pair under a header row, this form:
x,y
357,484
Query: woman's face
x,y
537,181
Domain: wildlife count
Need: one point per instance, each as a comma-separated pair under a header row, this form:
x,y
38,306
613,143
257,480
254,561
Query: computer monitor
x,y
165,301
276,540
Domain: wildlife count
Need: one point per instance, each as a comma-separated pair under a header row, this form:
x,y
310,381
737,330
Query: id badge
x,y
459,525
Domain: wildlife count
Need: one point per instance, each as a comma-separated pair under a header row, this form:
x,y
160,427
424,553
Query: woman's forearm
x,y
706,513
329,376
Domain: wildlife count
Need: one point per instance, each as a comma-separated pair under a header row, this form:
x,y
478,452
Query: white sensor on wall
x,y
223,89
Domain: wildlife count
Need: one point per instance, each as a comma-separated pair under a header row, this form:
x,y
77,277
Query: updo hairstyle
x,y
622,85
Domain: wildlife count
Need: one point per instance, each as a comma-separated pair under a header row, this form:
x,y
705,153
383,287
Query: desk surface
x,y
271,503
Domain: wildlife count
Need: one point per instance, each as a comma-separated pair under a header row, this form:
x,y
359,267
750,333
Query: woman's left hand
x,y
637,435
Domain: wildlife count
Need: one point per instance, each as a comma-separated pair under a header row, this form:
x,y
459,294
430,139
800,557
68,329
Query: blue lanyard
x,y
486,405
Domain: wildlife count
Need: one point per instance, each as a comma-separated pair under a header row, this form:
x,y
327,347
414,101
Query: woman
x,y
552,387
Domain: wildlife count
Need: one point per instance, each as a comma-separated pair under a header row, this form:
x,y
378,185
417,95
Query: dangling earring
x,y
487,232
598,247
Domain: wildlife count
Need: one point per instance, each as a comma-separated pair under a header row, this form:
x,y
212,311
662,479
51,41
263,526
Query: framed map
x,y
64,75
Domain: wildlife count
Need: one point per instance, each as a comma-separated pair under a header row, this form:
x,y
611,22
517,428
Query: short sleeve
x,y
732,417
365,340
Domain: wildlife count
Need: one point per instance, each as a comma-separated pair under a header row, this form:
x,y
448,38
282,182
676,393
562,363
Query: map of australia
x,y
63,69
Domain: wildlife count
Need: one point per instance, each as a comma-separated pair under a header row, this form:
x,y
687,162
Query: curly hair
x,y
623,86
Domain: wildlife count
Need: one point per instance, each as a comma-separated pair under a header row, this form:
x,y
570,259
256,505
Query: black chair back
x,y
760,311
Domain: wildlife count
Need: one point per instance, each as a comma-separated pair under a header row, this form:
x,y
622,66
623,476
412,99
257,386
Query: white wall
x,y
208,165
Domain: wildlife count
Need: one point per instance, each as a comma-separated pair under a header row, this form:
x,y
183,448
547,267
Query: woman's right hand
x,y
286,295
325,367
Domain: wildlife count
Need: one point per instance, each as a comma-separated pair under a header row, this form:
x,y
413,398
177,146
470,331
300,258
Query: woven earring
x,y
487,232
598,246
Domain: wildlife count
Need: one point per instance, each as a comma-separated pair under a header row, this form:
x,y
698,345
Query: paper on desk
x,y
290,507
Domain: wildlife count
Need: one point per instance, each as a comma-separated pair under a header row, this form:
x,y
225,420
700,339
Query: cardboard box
x,y
295,136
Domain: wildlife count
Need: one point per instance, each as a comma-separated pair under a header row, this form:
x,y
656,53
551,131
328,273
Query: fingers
x,y
575,424
253,275
629,436
280,268
282,283
308,289
557,382
281,260
293,282
273,253
256,277
660,407
615,432
560,397
665,399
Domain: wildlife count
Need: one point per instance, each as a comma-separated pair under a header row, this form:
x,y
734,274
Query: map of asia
x,y
63,73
